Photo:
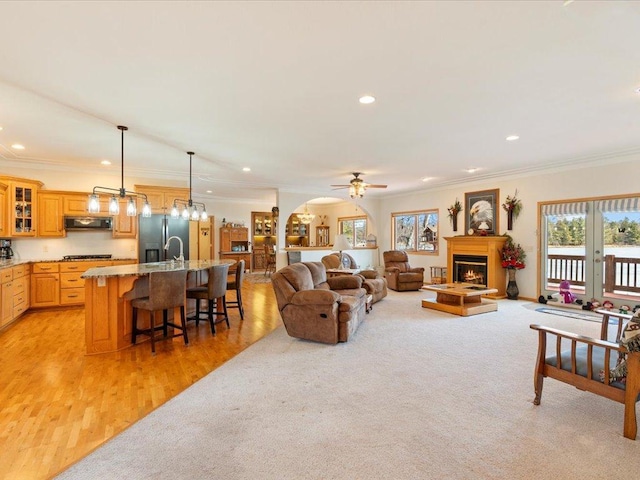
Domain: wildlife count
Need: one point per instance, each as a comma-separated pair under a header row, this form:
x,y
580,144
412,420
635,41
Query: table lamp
x,y
341,243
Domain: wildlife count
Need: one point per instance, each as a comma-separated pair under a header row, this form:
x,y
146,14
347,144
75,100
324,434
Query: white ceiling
x,y
274,86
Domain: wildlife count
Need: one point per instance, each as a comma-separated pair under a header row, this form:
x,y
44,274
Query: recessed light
x,y
246,169
0,128
105,162
367,99
17,146
426,179
472,170
209,191
637,91
512,138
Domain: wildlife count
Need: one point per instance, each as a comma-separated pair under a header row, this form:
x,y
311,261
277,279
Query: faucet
x,y
166,247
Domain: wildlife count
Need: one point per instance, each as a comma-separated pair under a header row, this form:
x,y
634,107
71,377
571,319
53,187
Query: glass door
x,y
593,245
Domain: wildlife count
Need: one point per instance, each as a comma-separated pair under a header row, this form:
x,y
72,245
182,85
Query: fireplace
x,y
470,269
476,259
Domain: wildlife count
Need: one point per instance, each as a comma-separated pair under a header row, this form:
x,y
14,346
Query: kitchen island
x,y
108,295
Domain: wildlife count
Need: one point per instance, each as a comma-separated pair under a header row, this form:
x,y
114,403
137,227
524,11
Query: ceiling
x,y
274,86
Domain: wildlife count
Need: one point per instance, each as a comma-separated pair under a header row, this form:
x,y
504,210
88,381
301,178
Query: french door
x,y
595,245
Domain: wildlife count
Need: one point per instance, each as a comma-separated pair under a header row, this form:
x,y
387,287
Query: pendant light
x,y
190,208
118,193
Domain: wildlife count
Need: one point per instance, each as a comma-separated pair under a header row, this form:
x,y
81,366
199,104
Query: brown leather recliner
x,y
399,274
318,308
374,284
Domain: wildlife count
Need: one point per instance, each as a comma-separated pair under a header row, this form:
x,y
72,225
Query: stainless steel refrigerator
x,y
153,233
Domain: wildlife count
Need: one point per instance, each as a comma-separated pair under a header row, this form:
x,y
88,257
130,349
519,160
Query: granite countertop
x,y
142,269
14,262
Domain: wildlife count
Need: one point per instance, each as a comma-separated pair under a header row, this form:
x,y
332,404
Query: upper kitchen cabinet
x,y
4,221
22,206
50,208
123,225
161,198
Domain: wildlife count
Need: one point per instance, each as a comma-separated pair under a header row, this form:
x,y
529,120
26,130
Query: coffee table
x,y
460,298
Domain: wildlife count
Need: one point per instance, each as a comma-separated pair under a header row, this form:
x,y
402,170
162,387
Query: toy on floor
x,y
607,304
565,292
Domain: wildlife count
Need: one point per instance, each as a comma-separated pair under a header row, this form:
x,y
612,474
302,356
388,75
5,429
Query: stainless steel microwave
x,y
88,223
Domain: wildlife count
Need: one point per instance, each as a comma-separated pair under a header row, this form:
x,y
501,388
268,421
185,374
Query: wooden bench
x,y
580,365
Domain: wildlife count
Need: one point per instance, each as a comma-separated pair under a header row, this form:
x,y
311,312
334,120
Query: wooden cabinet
x,y
4,220
50,215
6,296
123,225
297,233
161,198
45,284
262,224
22,207
21,285
234,239
75,204
322,236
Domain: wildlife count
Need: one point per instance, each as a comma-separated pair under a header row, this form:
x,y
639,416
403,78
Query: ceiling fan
x,y
357,186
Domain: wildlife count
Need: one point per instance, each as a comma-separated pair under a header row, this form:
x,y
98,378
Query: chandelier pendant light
x,y
190,208
306,218
118,193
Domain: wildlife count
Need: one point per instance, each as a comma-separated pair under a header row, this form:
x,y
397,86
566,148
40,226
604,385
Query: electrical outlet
x,y
45,248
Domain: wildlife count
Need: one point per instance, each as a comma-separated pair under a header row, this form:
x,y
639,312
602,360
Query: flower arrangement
x,y
512,255
513,205
455,209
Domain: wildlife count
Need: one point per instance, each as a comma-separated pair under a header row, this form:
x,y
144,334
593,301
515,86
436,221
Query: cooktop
x,y
73,258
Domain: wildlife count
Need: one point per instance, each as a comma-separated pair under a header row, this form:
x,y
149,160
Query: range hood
x,y
88,223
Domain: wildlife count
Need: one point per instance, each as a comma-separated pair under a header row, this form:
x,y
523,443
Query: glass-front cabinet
x,y
322,236
263,224
22,210
263,232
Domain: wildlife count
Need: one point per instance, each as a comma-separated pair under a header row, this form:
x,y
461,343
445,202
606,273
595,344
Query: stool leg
x,y
224,309
134,326
183,320
239,298
197,311
210,315
152,328
165,320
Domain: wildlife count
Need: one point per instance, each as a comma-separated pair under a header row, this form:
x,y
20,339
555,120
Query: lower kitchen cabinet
x,y
45,284
237,256
14,292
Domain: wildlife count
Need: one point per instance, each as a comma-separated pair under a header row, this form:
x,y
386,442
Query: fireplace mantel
x,y
489,247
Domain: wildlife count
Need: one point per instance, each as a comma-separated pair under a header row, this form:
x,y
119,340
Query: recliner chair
x,y
400,276
374,284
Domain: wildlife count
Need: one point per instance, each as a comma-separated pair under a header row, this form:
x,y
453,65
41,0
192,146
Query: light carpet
x,y
415,394
257,278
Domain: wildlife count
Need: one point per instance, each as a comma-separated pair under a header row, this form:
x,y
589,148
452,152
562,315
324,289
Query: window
x,y
355,228
416,231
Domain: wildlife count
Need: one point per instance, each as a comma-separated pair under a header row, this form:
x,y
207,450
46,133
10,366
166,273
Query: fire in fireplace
x,y
470,269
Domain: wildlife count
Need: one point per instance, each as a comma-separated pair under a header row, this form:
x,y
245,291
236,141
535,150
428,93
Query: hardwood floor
x,y
58,404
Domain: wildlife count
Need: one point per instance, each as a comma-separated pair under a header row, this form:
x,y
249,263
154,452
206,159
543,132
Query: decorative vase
x,y
512,286
454,222
509,219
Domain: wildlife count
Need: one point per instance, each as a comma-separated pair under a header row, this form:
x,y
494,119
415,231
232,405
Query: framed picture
x,y
481,214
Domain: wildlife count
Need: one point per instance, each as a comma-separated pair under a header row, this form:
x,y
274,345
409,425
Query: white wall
x,y
613,177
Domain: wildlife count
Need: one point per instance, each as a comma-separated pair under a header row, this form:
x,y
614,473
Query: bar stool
x,y
166,290
236,284
215,289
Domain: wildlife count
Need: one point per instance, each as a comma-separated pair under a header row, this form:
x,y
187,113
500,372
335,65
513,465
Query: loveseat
x,y
314,307
372,282
399,274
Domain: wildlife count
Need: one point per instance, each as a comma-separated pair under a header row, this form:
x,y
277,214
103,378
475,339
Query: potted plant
x,y
454,210
513,259
513,207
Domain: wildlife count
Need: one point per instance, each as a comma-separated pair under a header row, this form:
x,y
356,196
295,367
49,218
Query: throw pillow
x,y
631,339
